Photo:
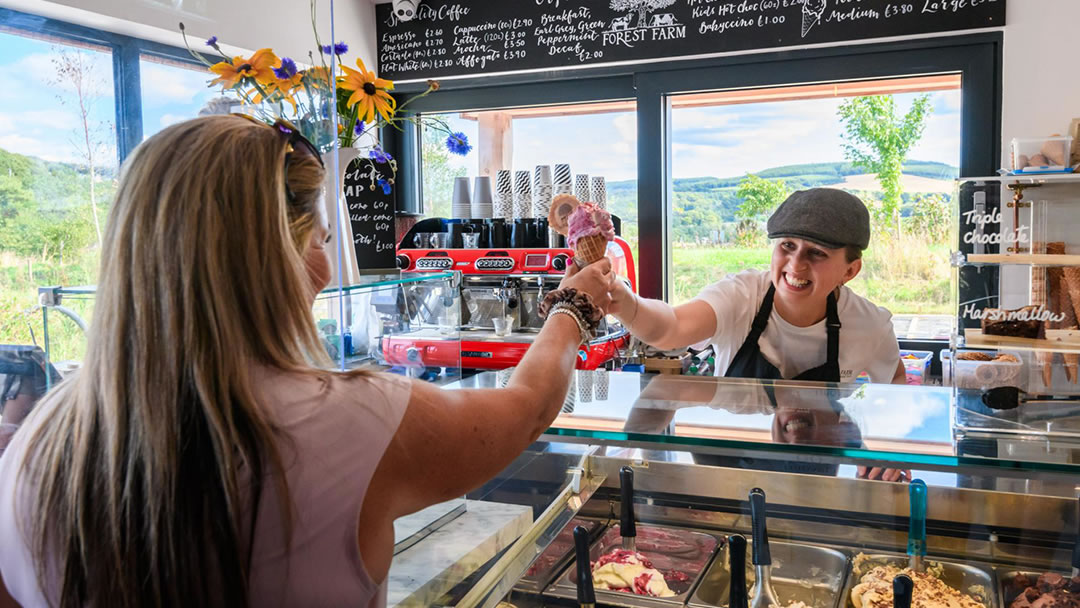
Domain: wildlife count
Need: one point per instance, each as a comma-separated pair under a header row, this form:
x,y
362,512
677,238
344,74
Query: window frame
x,y
977,57
126,53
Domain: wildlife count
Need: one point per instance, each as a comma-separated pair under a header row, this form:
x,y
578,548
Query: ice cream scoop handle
x,y
585,593
737,567
1076,546
902,589
761,557
917,531
627,526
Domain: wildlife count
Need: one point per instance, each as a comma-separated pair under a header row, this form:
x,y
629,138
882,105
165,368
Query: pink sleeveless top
x,y
338,432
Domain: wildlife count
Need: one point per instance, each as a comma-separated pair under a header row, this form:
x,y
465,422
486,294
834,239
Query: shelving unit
x,y
1025,259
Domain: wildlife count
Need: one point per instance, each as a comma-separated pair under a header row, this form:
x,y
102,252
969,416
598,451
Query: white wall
x,y
1041,92
284,25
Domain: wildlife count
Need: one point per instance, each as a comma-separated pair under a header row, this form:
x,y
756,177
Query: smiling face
x,y
804,274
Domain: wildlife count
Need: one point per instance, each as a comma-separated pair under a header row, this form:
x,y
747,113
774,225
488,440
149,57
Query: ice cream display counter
x,y
693,459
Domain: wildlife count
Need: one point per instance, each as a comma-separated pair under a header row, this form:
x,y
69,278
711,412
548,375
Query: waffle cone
x,y
589,249
1072,366
1072,284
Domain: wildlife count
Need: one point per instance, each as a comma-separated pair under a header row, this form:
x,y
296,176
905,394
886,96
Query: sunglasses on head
x,y
294,138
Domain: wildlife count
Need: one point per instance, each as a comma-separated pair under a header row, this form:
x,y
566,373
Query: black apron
x,y
749,362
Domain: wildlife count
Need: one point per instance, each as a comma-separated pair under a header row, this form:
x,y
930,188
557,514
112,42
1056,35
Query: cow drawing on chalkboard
x,y
641,7
663,19
621,23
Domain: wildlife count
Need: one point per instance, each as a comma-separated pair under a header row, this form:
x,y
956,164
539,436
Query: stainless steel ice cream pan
x,y
974,579
1008,592
554,558
681,554
801,573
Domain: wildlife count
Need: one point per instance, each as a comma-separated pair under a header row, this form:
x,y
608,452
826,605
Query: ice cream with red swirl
x,y
622,570
589,230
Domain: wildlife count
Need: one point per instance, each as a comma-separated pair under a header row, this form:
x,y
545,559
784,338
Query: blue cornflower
x,y
359,128
385,185
287,69
335,49
379,155
211,41
458,144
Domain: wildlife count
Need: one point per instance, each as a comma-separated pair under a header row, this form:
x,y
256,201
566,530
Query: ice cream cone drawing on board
x,y
812,11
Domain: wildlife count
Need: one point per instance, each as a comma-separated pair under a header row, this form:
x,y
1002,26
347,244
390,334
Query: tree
x,y
879,141
76,71
760,197
438,174
643,7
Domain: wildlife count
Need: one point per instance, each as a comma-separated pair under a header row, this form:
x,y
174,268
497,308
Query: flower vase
x,y
338,215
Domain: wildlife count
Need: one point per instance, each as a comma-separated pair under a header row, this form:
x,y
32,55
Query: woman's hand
x,y
883,474
596,279
623,302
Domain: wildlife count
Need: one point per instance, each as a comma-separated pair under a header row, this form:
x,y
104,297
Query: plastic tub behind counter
x,y
916,365
993,369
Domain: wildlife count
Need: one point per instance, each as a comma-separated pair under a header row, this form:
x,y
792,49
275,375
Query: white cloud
x,y
29,146
172,119
163,84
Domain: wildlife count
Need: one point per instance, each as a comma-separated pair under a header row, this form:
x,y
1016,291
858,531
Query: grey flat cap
x,y
829,217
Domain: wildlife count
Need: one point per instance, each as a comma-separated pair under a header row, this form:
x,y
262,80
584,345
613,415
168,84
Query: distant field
x,y
904,284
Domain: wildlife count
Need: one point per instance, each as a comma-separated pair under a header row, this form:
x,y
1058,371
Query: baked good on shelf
x,y
1019,323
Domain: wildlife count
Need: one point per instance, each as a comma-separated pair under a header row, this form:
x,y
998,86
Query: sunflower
x,y
260,67
370,92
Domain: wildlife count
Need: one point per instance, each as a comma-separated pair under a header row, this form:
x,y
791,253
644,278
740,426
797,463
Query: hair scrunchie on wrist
x,y
578,300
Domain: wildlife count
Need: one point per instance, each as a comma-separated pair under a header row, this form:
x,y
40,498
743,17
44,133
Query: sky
x,y
724,141
38,114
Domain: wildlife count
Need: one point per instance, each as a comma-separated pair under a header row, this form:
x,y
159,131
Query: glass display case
x,y
1016,350
355,323
696,447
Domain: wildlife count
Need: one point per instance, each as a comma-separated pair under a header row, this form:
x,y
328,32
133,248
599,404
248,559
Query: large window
x,y
58,166
173,91
737,154
597,140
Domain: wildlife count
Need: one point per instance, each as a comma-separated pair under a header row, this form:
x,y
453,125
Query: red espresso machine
x,y
497,285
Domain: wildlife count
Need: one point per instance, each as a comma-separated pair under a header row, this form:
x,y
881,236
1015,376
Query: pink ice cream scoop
x,y
589,220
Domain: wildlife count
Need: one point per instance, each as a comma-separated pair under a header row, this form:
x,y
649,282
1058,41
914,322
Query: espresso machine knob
x,y
412,354
403,262
559,262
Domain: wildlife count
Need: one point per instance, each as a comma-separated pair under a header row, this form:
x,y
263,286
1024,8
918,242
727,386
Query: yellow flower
x,y
370,92
260,67
318,76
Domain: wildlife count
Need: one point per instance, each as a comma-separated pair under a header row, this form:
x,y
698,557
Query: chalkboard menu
x,y
463,37
371,214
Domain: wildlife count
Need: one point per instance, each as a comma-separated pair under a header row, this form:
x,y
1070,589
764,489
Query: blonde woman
x,y
200,457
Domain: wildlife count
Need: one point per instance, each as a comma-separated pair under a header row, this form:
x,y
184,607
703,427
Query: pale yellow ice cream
x,y
626,571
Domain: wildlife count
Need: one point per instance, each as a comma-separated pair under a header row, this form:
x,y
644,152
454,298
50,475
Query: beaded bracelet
x,y
570,312
579,300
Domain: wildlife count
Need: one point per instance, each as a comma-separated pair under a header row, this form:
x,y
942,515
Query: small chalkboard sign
x,y
370,205
467,37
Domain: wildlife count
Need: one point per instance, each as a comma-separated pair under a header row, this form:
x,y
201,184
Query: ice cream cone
x,y
1072,283
589,249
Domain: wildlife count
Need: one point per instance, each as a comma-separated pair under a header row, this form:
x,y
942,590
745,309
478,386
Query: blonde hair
x,y
137,461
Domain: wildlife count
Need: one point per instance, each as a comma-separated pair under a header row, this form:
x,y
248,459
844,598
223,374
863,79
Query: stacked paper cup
x,y
571,396
503,376
584,385
564,181
601,384
581,187
461,208
542,190
599,192
481,200
522,194
504,194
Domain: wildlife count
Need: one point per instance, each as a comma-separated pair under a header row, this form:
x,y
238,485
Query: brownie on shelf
x,y
1019,323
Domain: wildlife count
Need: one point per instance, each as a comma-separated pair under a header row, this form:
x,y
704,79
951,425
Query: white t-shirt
x,y
867,341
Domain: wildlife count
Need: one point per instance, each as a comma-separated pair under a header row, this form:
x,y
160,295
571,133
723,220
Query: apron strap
x,y
832,329
761,320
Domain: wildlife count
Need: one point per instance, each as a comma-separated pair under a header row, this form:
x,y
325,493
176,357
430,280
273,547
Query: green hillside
x,y
704,204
